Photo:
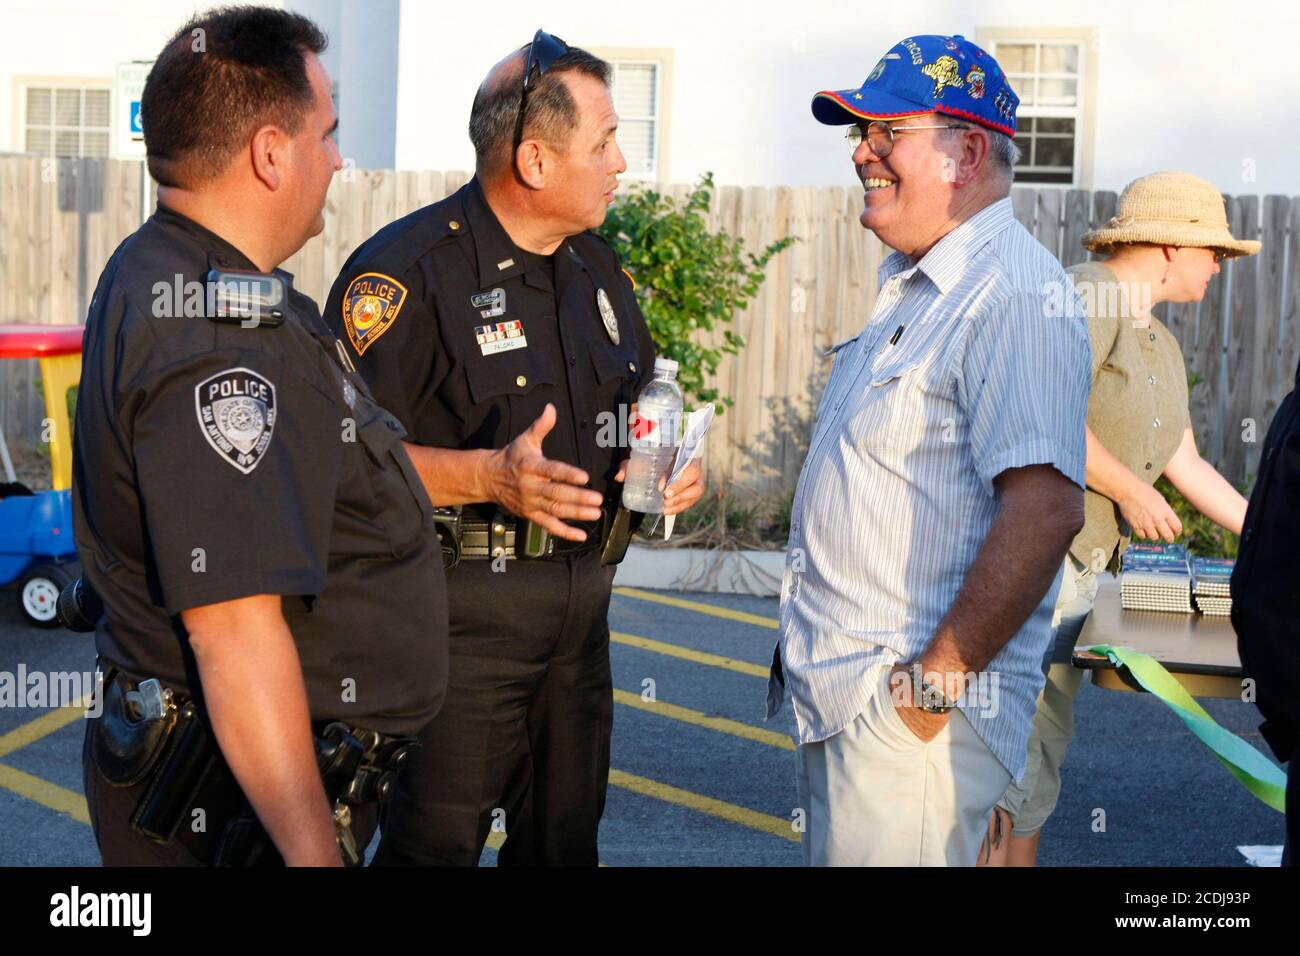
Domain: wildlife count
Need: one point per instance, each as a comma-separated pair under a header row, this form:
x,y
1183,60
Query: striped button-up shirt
x,y
975,360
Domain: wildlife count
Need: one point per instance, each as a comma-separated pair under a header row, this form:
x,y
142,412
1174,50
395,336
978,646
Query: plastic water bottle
x,y
653,438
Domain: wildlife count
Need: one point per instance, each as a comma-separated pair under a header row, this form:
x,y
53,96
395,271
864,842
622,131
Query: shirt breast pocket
x,y
895,364
401,505
616,375
509,391
895,410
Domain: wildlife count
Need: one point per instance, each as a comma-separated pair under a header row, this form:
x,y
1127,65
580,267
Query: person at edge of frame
x,y
274,632
492,322
1266,601
1164,244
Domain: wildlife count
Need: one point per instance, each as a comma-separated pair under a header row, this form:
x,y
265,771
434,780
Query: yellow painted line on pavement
x,y
496,841
58,798
686,654
699,607
42,726
45,793
62,800
763,822
700,719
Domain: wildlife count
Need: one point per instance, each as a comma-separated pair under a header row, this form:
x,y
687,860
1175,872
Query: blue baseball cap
x,y
927,74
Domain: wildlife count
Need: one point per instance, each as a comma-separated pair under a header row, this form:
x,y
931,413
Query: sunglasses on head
x,y
542,54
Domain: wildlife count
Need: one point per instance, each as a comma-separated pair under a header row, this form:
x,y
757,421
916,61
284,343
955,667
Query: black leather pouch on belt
x,y
173,751
244,842
181,775
621,528
126,745
360,766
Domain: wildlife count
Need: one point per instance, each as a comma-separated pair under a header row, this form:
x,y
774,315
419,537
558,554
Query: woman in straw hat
x,y
1164,245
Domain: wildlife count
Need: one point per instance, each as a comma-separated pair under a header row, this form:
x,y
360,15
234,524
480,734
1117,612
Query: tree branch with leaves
x,y
688,279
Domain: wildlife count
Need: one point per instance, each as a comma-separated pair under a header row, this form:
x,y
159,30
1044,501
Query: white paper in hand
x,y
1262,855
697,426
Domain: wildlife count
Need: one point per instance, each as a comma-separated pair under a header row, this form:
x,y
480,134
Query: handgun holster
x,y
621,528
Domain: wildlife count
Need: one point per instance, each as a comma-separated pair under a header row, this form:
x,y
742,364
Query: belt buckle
x,y
448,525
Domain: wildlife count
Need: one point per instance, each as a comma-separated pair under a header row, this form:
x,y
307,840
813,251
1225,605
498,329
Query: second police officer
x,y
275,626
491,323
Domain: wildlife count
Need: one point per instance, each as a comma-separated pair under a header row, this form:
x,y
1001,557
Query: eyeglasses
x,y
880,136
542,54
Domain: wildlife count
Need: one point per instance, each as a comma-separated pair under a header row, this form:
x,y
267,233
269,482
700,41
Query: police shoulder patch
x,y
236,411
370,307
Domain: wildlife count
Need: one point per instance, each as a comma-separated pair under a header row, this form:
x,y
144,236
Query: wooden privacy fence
x,y
60,221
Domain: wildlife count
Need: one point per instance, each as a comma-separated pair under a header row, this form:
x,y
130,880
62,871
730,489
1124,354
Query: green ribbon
x,y
1256,772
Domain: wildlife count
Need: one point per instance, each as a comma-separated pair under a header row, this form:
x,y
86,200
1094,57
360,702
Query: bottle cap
x,y
665,366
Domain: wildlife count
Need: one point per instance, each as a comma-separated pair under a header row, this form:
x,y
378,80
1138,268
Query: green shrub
x,y
1201,535
688,279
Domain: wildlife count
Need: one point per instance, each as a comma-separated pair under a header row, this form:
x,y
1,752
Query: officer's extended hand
x,y
529,485
685,491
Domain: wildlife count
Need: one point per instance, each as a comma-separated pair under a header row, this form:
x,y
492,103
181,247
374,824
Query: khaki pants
x,y
1032,801
875,795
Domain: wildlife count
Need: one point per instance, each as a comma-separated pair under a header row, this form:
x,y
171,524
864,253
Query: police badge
x,y
607,315
370,307
236,410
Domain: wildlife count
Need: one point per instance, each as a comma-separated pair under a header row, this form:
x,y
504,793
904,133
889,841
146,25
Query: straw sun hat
x,y
1170,209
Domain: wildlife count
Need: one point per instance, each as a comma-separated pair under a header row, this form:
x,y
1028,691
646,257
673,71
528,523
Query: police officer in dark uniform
x,y
1266,601
493,323
275,614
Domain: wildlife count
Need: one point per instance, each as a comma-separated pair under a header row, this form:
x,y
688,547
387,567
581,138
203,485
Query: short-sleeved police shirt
x,y
466,338
214,461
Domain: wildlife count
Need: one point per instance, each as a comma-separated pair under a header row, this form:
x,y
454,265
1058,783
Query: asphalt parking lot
x,y
698,778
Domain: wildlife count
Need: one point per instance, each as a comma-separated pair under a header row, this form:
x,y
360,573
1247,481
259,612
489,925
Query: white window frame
x,y
82,83
661,60
1084,111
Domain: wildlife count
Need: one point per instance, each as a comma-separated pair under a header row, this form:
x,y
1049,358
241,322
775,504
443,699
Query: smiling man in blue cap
x,y
927,88
943,485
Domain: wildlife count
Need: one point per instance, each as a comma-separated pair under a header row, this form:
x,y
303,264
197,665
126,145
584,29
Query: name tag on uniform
x,y
500,337
490,304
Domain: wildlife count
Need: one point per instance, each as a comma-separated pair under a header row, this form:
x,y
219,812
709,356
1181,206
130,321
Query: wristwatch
x,y
929,697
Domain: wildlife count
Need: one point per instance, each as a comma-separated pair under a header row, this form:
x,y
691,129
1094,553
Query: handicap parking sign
x,y
127,128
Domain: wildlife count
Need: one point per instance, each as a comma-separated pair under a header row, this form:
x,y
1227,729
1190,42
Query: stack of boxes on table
x,y
1164,577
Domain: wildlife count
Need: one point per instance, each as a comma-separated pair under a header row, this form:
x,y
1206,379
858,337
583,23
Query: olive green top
x,y
1138,406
